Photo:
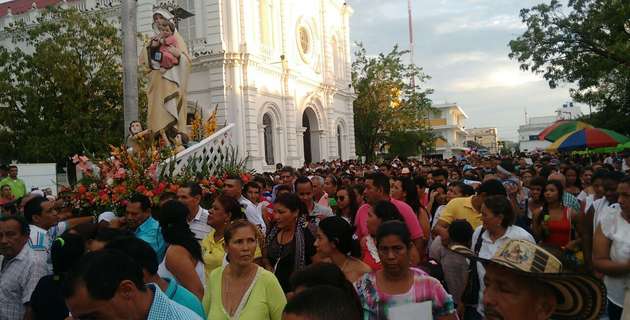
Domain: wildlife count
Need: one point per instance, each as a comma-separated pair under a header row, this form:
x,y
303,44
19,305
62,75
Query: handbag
x,y
470,296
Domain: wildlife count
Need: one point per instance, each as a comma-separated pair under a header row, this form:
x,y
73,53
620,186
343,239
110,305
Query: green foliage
x,y
587,44
405,144
61,87
387,103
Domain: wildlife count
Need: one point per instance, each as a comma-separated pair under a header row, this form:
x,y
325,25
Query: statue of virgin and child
x,y
167,63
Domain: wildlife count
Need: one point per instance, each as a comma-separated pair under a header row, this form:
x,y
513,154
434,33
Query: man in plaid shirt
x,y
21,268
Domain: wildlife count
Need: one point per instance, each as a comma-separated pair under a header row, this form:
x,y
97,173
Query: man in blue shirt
x,y
138,219
142,253
107,284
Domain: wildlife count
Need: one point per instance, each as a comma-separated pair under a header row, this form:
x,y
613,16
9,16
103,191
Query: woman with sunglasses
x,y
347,205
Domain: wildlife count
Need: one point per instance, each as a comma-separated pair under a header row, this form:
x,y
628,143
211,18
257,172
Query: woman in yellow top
x,y
243,290
224,210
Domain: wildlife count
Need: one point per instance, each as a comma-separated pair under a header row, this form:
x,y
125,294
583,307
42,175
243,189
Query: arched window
x,y
339,146
335,58
266,22
268,138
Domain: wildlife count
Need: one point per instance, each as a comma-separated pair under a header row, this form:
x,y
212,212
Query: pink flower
x,y
120,173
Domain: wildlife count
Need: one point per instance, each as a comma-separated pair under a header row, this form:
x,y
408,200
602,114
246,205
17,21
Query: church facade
x,y
280,70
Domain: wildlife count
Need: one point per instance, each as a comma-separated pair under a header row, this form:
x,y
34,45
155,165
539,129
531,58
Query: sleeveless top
x,y
559,230
163,272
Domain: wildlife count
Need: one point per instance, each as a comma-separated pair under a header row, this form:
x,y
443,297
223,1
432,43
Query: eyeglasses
x,y
341,198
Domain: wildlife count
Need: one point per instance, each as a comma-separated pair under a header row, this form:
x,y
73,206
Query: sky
x,y
463,46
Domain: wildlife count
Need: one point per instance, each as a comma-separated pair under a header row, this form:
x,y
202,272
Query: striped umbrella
x,y
588,138
561,128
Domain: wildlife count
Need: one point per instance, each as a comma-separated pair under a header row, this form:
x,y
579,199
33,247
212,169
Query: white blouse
x,y
617,230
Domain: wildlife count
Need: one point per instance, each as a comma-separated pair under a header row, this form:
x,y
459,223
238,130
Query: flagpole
x,y
411,44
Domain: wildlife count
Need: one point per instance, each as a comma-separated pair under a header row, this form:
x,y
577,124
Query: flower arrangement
x,y
107,184
200,130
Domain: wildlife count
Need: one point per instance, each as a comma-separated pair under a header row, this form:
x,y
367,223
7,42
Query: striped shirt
x,y
376,304
41,240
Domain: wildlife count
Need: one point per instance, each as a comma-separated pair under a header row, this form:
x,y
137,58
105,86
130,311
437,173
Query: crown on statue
x,y
168,5
174,8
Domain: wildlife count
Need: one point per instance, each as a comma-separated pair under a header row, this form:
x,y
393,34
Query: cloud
x,y
459,24
463,46
498,78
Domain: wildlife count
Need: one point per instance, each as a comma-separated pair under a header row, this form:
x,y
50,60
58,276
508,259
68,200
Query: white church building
x,y
277,69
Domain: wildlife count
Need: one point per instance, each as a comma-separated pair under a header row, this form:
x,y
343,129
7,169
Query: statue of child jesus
x,y
167,54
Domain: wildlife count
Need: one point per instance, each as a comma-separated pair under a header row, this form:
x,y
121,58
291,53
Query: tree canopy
x,y
60,87
586,43
390,108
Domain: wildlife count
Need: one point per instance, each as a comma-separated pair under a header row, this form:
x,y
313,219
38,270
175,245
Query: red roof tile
x,y
20,6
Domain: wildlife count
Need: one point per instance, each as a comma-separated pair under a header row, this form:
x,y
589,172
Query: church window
x,y
268,139
266,22
304,40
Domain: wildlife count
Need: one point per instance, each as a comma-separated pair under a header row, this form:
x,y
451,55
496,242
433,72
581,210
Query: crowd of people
x,y
518,237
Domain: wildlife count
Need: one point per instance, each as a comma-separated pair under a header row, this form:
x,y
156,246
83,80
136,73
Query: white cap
x,y
106,216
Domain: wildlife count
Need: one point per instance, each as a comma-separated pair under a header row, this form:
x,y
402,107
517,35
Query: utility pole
x,y
130,61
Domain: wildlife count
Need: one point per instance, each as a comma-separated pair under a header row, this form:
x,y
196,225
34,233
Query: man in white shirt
x,y
319,195
41,214
233,187
190,195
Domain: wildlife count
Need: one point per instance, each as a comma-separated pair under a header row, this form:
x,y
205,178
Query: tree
x,y
60,87
586,44
388,106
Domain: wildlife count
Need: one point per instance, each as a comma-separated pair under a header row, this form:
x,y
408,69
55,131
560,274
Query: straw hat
x,y
579,296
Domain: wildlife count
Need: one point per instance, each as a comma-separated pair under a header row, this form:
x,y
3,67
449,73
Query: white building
x,y
528,133
447,123
278,69
486,137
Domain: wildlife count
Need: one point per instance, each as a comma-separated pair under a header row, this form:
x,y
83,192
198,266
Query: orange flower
x,y
81,189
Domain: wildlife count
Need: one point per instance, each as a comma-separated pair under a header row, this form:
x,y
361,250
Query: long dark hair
x,y
354,206
339,232
293,203
435,187
231,207
545,208
411,197
175,228
578,179
386,211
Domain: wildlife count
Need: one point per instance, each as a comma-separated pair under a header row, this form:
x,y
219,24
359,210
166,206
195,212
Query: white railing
x,y
212,149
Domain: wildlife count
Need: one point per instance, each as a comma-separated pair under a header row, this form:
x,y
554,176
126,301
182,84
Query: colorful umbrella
x,y
561,128
588,138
